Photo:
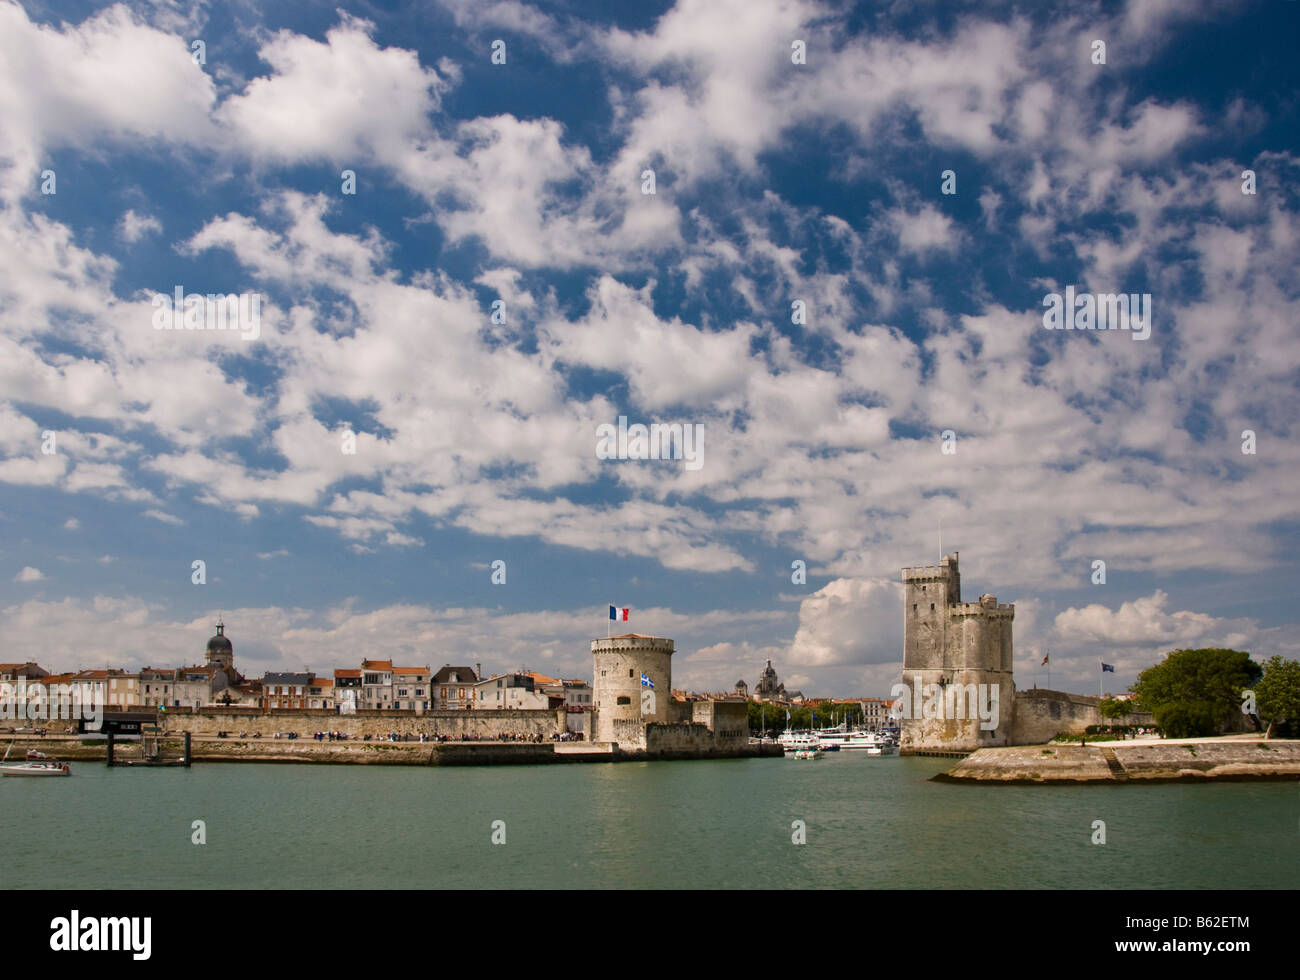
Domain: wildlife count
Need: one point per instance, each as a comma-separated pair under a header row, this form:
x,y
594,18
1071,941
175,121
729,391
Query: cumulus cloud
x,y
29,574
850,621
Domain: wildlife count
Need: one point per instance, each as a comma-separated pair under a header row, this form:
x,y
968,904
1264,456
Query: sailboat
x,y
49,768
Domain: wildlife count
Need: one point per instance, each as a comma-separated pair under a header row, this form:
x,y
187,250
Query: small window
x,y
624,699
629,672
914,607
932,607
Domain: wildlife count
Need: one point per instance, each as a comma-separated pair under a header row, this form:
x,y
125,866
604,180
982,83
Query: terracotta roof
x,y
347,673
410,670
540,678
376,665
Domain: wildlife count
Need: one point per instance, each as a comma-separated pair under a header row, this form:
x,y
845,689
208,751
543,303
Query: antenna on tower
x,y
941,540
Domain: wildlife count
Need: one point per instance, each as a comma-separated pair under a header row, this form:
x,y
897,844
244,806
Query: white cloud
x,y
164,517
29,574
134,226
111,77
850,621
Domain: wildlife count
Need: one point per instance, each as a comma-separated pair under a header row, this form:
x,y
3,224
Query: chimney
x,y
478,672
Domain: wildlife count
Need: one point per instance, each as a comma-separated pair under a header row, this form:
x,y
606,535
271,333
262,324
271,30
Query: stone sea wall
x,y
355,752
305,722
1131,762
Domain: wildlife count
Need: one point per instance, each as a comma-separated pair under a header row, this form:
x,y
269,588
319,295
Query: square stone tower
x,y
958,693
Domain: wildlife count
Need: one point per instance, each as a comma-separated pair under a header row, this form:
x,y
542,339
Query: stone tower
x,y
619,662
957,691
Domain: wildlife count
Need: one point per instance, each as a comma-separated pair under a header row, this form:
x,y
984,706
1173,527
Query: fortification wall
x,y
1041,715
628,733
690,740
728,720
305,722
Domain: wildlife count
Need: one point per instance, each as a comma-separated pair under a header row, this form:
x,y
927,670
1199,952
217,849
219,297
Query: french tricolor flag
x,y
616,613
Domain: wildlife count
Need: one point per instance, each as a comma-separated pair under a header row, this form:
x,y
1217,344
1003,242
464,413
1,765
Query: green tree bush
x,y
1196,692
1277,696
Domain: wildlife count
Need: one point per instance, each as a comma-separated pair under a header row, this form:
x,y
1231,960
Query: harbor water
x,y
869,823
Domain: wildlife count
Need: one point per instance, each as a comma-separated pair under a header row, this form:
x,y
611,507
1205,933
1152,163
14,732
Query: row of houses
x,y
375,685
381,685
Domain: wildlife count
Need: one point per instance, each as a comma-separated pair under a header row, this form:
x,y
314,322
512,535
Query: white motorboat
x,y
37,769
845,740
812,753
795,741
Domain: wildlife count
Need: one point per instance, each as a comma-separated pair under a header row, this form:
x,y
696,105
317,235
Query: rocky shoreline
x,y
1130,762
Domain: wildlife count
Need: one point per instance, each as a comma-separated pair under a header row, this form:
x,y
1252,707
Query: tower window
x,y
629,672
932,607
623,699
914,607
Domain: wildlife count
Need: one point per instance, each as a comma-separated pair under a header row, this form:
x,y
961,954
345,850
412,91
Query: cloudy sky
x,y
798,151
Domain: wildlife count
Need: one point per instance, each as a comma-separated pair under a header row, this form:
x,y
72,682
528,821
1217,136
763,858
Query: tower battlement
x,y
925,573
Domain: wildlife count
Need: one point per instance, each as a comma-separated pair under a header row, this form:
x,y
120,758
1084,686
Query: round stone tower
x,y
619,663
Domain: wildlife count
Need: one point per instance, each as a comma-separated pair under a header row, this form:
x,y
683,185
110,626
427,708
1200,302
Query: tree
x,y
1114,708
1196,692
1277,695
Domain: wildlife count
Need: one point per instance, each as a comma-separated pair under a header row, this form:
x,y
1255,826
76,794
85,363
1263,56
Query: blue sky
x,y
523,182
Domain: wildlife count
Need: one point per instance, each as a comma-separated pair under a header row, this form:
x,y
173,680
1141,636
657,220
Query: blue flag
x,y
1106,667
647,682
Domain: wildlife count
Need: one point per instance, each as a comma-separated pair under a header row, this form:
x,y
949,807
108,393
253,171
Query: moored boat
x,y
37,769
794,741
836,739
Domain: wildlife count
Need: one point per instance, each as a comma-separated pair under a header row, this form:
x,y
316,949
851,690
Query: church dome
x,y
220,643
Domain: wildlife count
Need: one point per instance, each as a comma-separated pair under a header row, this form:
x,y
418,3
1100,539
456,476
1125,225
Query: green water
x,y
871,823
